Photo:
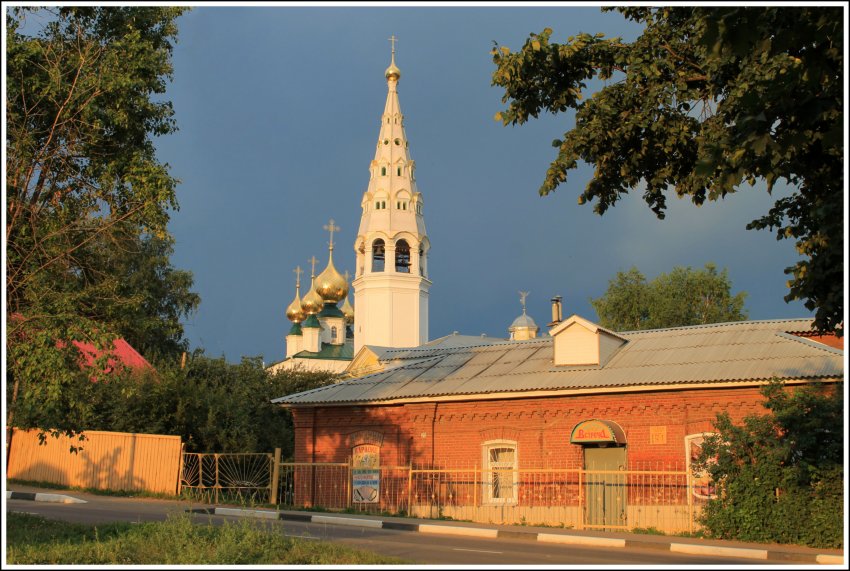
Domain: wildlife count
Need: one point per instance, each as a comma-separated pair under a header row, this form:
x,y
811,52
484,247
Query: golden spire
x,y
330,285
312,302
294,312
393,72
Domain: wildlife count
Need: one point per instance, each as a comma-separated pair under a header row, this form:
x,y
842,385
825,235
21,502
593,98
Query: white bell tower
x,y
391,281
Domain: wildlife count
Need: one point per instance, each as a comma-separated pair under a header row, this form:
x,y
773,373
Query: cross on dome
x,y
330,226
297,272
392,72
313,261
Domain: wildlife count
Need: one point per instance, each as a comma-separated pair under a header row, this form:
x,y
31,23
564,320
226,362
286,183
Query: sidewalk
x,y
757,551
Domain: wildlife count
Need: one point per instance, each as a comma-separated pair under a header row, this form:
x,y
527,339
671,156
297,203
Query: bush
x,y
779,476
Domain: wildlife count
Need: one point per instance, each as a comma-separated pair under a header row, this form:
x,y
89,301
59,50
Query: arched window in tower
x,y
398,171
333,334
402,257
378,255
383,171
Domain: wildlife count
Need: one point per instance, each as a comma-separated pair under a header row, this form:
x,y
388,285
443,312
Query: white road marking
x,y
477,550
302,537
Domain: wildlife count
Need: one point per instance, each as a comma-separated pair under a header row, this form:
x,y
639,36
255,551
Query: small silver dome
x,y
523,321
523,327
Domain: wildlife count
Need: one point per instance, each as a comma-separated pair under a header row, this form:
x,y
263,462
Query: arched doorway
x,y
606,490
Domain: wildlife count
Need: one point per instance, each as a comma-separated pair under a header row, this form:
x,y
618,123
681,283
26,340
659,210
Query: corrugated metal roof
x,y
728,352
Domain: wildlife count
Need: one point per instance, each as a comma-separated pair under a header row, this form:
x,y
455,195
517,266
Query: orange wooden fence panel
x,y
107,461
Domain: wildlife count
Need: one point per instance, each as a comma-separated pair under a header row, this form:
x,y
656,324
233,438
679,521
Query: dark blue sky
x,y
278,109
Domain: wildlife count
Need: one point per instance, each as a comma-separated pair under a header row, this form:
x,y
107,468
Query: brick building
x,y
582,398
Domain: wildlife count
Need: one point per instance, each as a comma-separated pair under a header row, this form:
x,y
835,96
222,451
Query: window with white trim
x,y
500,472
703,486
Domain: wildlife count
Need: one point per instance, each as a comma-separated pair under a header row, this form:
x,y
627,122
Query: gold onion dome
x,y
393,72
330,285
294,312
348,311
312,302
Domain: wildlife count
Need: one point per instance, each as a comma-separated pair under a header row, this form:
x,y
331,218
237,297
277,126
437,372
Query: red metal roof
x,y
122,351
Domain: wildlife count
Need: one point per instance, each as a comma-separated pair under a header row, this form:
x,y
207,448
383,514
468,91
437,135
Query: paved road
x,y
419,548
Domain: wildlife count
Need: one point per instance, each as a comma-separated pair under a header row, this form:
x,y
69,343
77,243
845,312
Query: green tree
x,y
625,305
683,297
83,106
213,405
779,476
147,295
705,99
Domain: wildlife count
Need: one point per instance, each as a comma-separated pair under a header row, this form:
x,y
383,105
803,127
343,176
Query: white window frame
x,y
701,488
488,467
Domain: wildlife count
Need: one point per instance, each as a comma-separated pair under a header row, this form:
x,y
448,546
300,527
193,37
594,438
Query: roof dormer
x,y
578,341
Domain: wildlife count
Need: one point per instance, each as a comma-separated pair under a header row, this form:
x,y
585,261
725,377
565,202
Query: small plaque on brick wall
x,y
658,435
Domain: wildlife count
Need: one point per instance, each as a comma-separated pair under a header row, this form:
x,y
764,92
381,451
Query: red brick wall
x,y
451,434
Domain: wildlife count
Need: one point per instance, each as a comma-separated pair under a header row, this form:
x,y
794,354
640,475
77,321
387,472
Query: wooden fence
x,y
107,461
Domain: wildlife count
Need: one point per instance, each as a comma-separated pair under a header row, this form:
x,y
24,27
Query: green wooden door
x,y
605,493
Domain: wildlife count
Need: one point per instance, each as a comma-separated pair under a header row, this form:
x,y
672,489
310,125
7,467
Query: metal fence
x,y
240,478
668,500
661,497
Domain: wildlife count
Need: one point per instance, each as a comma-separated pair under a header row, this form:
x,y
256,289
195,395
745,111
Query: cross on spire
x,y
313,261
522,296
297,271
330,226
393,40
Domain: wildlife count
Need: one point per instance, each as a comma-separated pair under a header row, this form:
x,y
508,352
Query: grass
x,y
33,540
699,534
647,531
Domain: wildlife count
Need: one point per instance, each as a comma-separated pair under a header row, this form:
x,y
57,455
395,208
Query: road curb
x,y
588,541
55,498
